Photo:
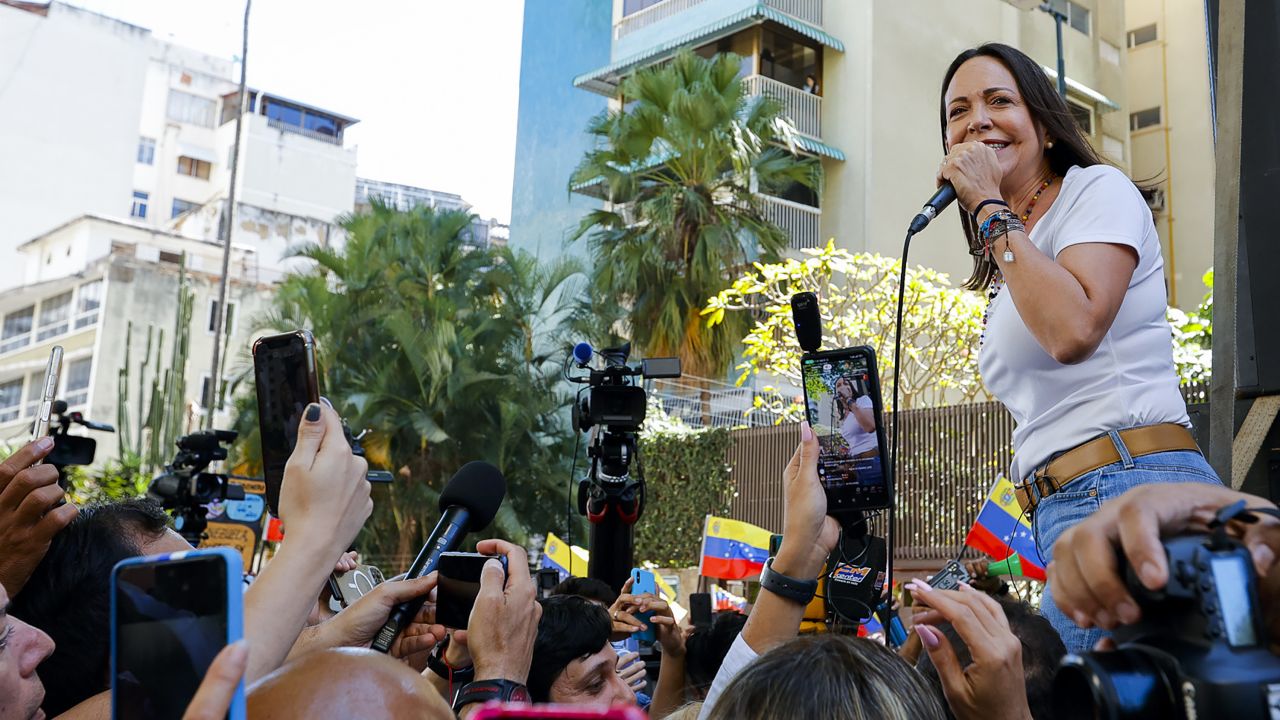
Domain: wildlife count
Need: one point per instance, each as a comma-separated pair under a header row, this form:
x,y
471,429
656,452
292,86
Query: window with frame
x,y
1144,119
213,317
88,301
76,389
193,167
1077,14
1083,117
192,109
207,399
1143,35
33,394
17,329
182,206
139,209
631,7
55,316
146,151
10,399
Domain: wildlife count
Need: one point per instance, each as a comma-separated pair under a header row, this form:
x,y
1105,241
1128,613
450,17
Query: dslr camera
x,y
1199,651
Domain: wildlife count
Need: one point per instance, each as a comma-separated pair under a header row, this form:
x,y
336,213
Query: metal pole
x,y
220,317
1062,62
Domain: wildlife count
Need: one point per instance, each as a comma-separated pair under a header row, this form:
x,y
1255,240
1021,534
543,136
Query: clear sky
x,y
435,83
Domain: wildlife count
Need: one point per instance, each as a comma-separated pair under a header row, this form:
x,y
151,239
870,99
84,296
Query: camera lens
x,y
1126,684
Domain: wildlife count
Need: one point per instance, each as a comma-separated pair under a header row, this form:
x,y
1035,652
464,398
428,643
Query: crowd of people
x,y
1084,282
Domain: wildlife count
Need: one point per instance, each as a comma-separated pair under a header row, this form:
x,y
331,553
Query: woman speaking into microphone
x,y
1075,342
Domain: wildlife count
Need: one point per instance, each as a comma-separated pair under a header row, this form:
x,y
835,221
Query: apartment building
x,y
119,123
861,82
1171,134
97,274
482,233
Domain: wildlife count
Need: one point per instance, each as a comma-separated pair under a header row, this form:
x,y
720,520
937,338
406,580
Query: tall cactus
x,y
160,413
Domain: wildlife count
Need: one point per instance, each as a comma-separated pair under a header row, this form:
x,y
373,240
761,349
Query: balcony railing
x,y
286,127
804,109
809,11
800,222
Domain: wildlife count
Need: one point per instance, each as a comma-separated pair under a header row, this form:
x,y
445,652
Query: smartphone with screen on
x,y
285,374
351,586
48,391
842,404
458,585
642,581
170,616
519,711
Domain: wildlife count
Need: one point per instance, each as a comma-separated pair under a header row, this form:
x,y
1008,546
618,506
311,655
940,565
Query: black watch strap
x,y
478,691
787,588
437,664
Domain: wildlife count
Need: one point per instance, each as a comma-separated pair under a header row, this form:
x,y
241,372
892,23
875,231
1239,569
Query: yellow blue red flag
x,y
1003,530
732,549
565,559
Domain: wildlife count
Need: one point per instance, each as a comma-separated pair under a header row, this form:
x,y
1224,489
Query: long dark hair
x,y
1070,146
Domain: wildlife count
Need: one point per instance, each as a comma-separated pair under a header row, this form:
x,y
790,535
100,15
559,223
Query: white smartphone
x,y
48,391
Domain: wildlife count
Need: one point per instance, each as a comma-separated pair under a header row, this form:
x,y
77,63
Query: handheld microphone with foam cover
x,y
932,209
468,503
582,353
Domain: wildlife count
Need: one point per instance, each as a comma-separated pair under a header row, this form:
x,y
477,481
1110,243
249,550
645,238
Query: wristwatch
x,y
486,690
787,588
437,663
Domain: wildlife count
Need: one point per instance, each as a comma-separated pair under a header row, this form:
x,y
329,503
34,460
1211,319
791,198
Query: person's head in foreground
x,y
22,649
1042,651
705,649
828,676
346,683
997,95
573,662
69,595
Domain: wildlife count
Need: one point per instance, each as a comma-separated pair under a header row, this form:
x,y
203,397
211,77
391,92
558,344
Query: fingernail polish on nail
x,y
313,412
928,636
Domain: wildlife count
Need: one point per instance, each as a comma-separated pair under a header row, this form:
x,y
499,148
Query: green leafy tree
x,y
1193,338
858,294
681,166
447,353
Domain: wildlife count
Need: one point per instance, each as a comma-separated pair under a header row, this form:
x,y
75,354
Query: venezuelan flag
x,y
722,599
732,549
567,560
1003,530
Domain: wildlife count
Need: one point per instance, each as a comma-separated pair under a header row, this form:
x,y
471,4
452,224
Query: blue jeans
x,y
1062,510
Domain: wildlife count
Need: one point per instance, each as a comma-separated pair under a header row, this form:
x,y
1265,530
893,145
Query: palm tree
x,y
447,353
681,166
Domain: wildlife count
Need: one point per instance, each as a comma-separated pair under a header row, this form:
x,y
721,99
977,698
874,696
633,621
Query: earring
x,y
1048,144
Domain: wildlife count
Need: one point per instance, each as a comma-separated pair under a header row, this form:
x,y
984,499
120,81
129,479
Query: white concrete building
x,y
107,119
90,278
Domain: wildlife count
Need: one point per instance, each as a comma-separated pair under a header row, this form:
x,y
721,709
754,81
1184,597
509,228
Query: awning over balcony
x,y
605,80
817,147
1083,92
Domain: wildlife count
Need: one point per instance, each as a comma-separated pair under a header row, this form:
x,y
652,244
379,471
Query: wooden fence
x,y
950,457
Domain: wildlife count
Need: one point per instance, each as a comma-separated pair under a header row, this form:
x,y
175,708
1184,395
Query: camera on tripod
x,y
609,496
185,488
1200,649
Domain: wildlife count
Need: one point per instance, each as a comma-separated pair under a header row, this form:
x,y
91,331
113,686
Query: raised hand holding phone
x,y
32,512
170,616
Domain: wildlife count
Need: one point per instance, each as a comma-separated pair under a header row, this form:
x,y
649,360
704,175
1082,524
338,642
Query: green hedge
x,y
686,477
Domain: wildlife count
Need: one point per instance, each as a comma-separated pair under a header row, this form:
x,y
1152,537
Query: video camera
x,y
71,449
185,488
1200,649
609,496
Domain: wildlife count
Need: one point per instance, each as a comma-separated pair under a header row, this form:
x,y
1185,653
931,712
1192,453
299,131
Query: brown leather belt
x,y
1099,452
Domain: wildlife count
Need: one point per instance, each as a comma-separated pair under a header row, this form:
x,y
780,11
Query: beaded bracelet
x,y
999,224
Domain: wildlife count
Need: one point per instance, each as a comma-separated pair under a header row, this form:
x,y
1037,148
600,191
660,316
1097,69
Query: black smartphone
x,y
842,403
700,610
170,616
285,375
949,577
458,585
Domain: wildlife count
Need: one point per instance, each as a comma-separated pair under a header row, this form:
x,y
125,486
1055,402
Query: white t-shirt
x,y
859,440
1130,379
